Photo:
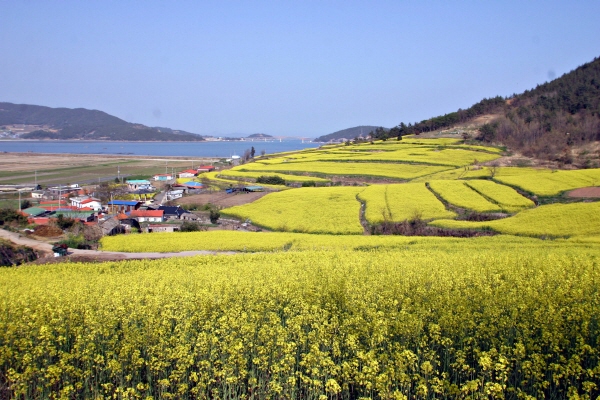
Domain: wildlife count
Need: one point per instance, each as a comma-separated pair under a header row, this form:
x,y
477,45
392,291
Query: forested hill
x,y
553,117
348,134
80,123
544,122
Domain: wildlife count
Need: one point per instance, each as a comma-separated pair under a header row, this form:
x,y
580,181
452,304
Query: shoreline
x,y
115,156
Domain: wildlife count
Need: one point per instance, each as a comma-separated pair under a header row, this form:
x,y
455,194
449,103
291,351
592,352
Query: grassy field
x,y
61,169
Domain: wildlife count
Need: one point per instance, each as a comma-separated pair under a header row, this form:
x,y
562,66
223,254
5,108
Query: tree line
x,y
544,122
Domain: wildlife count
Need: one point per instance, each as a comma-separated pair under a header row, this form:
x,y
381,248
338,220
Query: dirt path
x,y
587,192
96,255
222,199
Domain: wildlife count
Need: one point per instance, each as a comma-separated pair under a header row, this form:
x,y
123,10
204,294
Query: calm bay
x,y
220,149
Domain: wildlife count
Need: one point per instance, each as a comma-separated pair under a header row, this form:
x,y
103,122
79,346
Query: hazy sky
x,y
298,68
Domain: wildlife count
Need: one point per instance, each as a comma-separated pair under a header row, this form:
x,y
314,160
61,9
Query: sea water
x,y
220,149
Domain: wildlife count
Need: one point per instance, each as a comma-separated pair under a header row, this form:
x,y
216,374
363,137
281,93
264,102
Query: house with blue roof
x,y
138,184
123,205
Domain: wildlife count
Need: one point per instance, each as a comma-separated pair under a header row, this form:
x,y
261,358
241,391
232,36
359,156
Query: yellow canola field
x,y
383,170
332,210
285,241
401,202
433,156
506,197
554,220
460,195
238,172
546,182
306,325
467,172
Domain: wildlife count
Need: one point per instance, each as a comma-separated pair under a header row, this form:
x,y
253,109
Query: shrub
x,y
9,217
190,226
214,215
270,180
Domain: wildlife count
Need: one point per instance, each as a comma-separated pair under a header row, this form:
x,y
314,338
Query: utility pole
x,y
119,173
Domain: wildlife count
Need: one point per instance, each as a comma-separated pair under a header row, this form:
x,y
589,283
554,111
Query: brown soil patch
x,y
585,192
222,199
47,231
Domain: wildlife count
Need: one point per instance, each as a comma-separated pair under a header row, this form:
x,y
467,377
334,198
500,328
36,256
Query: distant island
x,y
259,136
26,121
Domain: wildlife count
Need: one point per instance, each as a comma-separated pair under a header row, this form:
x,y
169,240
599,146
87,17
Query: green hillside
x,y
80,123
348,134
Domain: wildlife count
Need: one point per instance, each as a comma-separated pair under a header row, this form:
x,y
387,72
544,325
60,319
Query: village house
x,y
86,202
174,194
172,212
188,173
37,194
163,177
117,206
193,185
205,168
147,215
139,184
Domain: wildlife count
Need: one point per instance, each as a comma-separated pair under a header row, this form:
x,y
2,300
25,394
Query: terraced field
x,y
320,309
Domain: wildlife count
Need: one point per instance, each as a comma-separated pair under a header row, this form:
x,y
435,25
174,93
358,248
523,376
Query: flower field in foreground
x,y
546,182
554,220
332,210
416,324
460,195
284,241
401,202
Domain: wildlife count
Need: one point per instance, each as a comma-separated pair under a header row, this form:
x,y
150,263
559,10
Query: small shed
x,y
254,189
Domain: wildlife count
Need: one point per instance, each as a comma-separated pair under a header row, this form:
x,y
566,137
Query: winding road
x,y
46,248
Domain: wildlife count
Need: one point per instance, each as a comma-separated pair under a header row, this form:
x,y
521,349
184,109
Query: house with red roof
x,y
86,202
206,168
188,173
147,215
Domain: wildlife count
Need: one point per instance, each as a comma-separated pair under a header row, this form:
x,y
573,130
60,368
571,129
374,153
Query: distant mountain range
x,y
349,134
80,123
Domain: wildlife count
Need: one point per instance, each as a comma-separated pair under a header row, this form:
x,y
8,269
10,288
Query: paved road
x,y
105,255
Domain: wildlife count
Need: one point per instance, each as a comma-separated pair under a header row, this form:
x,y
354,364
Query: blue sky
x,y
293,68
